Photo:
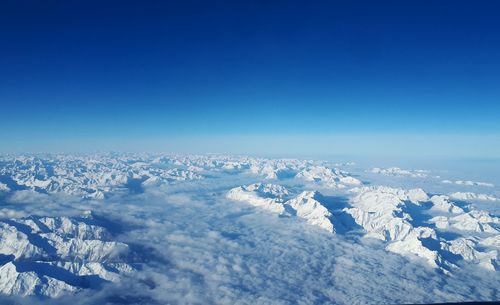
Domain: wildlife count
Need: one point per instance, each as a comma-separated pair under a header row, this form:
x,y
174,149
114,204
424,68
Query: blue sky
x,y
124,75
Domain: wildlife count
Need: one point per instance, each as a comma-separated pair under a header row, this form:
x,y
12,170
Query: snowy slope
x,y
52,256
273,198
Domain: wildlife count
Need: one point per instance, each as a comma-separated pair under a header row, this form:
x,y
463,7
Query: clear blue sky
x,y
85,75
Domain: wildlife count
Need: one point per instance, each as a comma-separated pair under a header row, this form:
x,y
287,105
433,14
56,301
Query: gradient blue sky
x,y
420,77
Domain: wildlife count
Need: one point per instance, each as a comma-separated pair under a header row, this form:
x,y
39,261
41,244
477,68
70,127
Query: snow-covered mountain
x,y
273,198
50,247
393,215
400,218
396,171
52,256
90,176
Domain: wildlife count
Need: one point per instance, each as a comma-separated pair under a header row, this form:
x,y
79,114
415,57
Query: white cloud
x,y
469,183
29,197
